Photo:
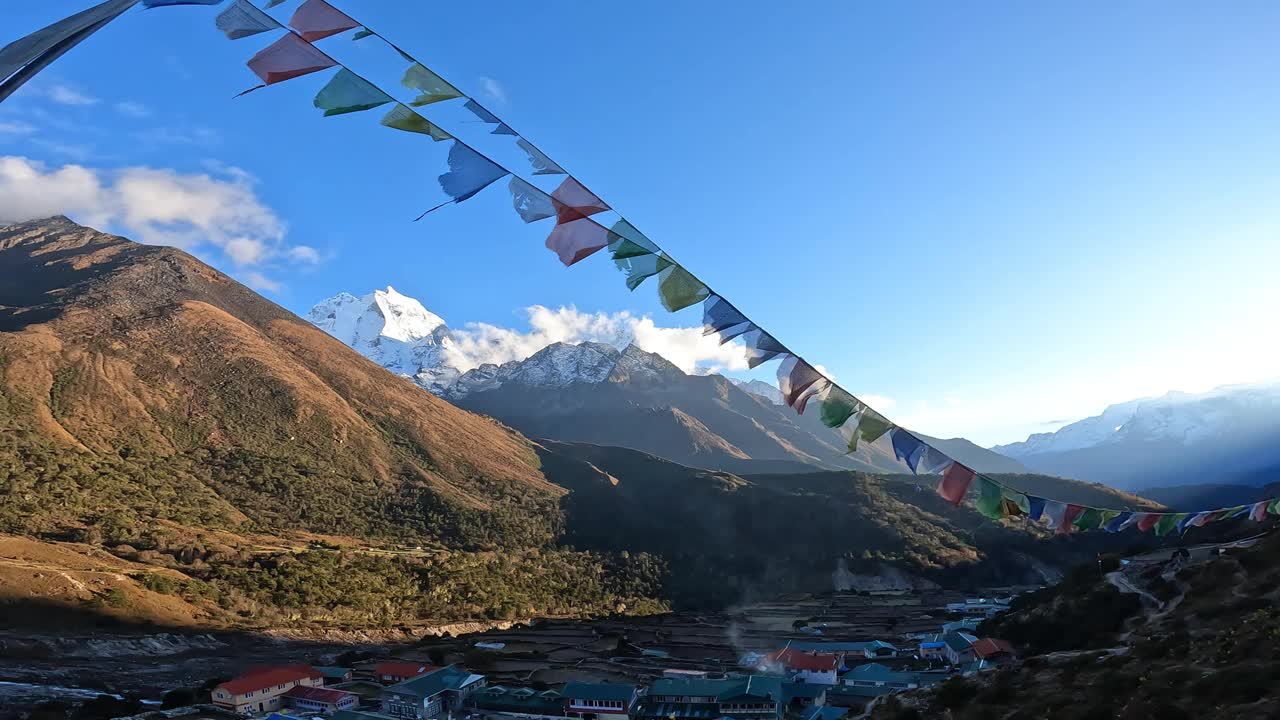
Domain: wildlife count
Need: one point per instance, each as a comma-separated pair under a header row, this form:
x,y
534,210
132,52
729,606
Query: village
x,y
815,673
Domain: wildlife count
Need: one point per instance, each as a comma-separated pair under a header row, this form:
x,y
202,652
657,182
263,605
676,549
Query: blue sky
x,y
993,218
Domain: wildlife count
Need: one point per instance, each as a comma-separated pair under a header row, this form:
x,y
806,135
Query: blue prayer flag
x,y
908,448
1035,508
469,173
1118,522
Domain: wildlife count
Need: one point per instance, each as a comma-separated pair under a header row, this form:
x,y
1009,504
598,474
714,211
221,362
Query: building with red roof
x,y
809,667
992,650
390,673
325,700
263,689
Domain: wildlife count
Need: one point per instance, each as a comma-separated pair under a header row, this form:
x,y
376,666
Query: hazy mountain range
x,y
1227,436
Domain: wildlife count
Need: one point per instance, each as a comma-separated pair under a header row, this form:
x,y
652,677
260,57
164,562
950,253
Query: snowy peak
x,y
760,389
393,330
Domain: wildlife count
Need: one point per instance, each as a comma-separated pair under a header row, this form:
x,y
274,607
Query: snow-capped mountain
x,y
760,388
393,330
1229,433
560,365
398,333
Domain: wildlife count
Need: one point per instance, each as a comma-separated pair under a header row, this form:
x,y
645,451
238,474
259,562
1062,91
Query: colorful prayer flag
x,y
362,33
1069,516
761,347
721,318
573,201
990,500
347,92
542,165
811,392
272,3
837,406
1259,511
402,117
641,267
872,425
1035,508
1168,522
530,203
478,110
934,461
1146,521
1053,513
578,239
1089,519
288,58
907,448
316,19
955,483
794,377
678,289
469,173
431,87
1015,503
1111,519
636,239
242,19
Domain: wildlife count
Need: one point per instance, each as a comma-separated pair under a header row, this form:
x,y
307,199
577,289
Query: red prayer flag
x,y
577,239
316,19
288,57
1069,517
574,202
1148,521
955,483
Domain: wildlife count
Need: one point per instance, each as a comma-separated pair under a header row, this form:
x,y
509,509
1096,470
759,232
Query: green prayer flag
x,y
362,33
1107,517
347,92
1089,519
640,267
1168,522
272,3
990,500
623,230
432,87
678,289
404,118
1274,507
1016,503
872,425
623,248
836,407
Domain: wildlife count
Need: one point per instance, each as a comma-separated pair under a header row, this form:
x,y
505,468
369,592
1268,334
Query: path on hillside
x,y
1125,585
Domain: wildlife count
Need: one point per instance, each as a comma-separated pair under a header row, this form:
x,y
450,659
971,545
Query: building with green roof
x,y
431,695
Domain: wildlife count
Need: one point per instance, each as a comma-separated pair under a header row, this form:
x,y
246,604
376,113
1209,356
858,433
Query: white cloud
x,y
132,109
258,281
479,343
197,135
16,128
195,212
493,90
67,95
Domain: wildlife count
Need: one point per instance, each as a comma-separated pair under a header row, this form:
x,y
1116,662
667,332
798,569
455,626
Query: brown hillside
x,y
122,350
